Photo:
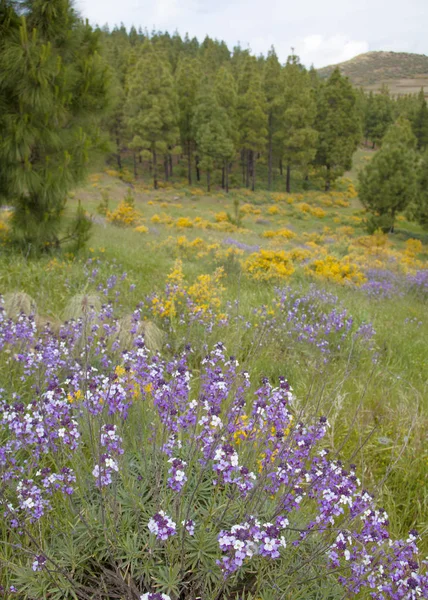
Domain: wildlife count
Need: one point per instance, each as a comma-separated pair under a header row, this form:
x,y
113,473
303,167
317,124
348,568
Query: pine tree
x,y
420,122
338,126
187,79
389,183
226,96
214,142
274,96
417,210
299,137
152,109
378,116
252,121
52,93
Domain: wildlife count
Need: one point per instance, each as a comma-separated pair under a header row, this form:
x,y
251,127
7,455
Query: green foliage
x,y
103,206
420,122
187,78
152,109
338,126
79,231
273,86
378,116
52,92
389,182
418,209
213,134
299,137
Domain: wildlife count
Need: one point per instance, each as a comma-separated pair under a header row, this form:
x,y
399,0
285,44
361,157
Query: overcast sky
x,y
322,32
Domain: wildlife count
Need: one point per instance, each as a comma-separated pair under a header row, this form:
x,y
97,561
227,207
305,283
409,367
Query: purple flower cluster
x,y
241,245
382,283
162,526
155,596
314,317
245,540
418,283
107,465
177,473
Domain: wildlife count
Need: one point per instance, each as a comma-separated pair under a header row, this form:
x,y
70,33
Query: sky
x,y
322,32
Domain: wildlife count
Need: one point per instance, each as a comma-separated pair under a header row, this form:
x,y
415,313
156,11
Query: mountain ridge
x,y
402,72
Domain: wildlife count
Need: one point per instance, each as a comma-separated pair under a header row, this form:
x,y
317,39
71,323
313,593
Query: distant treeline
x,y
174,96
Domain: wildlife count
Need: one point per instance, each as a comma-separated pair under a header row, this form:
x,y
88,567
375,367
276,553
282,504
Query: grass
x,y
388,397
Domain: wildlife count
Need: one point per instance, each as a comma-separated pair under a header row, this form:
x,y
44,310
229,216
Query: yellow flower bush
x,y
340,202
249,209
413,247
202,297
336,270
221,217
279,197
273,210
125,215
266,265
318,212
141,229
304,207
163,219
206,291
183,223
281,233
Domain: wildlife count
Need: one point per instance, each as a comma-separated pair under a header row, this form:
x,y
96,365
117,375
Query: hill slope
x,y
403,72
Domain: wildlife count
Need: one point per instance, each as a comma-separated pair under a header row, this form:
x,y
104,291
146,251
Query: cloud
x,y
321,51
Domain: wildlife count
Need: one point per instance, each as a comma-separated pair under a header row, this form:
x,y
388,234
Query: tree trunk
x,y
155,171
280,165
208,181
198,172
226,175
118,157
189,164
222,178
170,165
140,159
247,175
253,187
135,166
327,179
270,154
288,180
243,166
166,167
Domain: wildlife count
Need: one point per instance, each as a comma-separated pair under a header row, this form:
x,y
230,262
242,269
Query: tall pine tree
x,y
273,86
420,122
338,126
389,183
152,108
187,79
252,120
299,137
52,93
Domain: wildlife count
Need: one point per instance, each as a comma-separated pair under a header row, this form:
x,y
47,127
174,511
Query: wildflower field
x,y
223,396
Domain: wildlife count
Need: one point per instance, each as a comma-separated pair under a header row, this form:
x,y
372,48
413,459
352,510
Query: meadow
x,y
179,293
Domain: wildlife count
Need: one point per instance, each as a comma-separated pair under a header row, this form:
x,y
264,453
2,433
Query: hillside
x,y
403,72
